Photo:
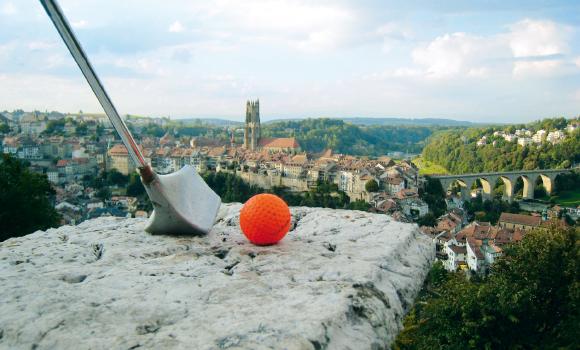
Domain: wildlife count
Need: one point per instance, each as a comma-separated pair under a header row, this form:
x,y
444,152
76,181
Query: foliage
x,y
135,187
54,127
458,152
567,189
489,210
153,130
428,219
231,188
371,186
114,177
104,193
434,195
25,204
315,135
359,204
429,168
530,300
4,128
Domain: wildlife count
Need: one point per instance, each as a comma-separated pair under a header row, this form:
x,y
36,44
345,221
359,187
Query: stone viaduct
x,y
509,178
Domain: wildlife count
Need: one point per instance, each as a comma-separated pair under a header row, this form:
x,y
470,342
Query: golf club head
x,y
183,203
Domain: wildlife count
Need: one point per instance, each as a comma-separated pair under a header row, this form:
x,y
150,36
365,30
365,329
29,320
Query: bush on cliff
x,y
24,200
530,300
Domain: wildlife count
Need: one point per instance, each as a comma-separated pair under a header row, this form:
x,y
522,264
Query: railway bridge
x,y
509,178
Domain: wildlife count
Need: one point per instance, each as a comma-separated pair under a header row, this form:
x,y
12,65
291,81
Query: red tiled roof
x,y
118,150
519,219
280,142
458,250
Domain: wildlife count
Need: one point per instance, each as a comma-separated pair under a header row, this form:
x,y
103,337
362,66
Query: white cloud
x,y
41,45
393,34
8,9
537,68
529,48
176,27
533,38
298,24
80,24
457,54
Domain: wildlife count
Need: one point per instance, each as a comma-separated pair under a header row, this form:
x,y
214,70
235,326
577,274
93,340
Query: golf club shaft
x,y
69,38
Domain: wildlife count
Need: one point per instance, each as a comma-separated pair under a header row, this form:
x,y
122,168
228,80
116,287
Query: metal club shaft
x,y
63,27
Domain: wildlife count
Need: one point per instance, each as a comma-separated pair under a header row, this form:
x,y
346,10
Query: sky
x,y
483,61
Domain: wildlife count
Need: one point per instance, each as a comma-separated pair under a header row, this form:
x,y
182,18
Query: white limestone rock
x,y
339,280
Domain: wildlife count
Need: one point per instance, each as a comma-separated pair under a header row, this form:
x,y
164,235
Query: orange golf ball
x,y
265,219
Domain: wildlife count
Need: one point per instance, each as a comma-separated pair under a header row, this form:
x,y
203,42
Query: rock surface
x,y
339,280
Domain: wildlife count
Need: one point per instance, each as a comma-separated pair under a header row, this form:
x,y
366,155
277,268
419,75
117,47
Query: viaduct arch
x,y
509,178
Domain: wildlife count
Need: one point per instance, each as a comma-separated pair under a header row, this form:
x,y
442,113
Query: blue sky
x,y
500,61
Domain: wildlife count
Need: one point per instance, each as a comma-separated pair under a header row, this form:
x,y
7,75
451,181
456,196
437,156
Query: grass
x,y
568,198
428,168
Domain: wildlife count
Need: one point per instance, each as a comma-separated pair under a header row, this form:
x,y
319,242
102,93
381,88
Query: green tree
x,y
372,186
104,193
434,195
359,205
25,204
4,128
530,300
135,187
114,177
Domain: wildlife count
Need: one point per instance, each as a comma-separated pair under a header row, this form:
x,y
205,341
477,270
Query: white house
x,y
524,141
455,256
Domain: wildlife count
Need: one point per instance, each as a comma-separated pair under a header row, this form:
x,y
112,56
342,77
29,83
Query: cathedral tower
x,y
252,132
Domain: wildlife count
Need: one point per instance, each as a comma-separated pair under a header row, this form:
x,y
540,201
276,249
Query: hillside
x,y
407,121
390,121
315,135
478,149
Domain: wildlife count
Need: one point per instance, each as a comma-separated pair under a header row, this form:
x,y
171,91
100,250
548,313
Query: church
x,y
253,139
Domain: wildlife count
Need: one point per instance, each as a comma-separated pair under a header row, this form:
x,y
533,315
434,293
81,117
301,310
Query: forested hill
x,y
458,151
315,135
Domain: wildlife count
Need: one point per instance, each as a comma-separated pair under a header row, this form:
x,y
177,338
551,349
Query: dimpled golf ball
x,y
265,219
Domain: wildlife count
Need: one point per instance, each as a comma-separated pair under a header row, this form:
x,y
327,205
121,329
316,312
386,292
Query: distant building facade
x,y
252,131
253,140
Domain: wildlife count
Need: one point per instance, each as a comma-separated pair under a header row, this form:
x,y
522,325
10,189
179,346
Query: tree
x,y
116,178
104,193
359,204
434,195
372,186
4,128
530,300
428,220
135,187
24,200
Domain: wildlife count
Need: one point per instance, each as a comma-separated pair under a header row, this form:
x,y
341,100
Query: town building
x,y
120,160
253,140
519,221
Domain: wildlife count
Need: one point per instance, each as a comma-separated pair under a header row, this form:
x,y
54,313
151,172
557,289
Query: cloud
x,y
8,9
393,34
176,27
41,45
538,38
457,54
300,25
80,24
537,68
528,48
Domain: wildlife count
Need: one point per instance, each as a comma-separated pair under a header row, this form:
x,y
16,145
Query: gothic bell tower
x,y
252,131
